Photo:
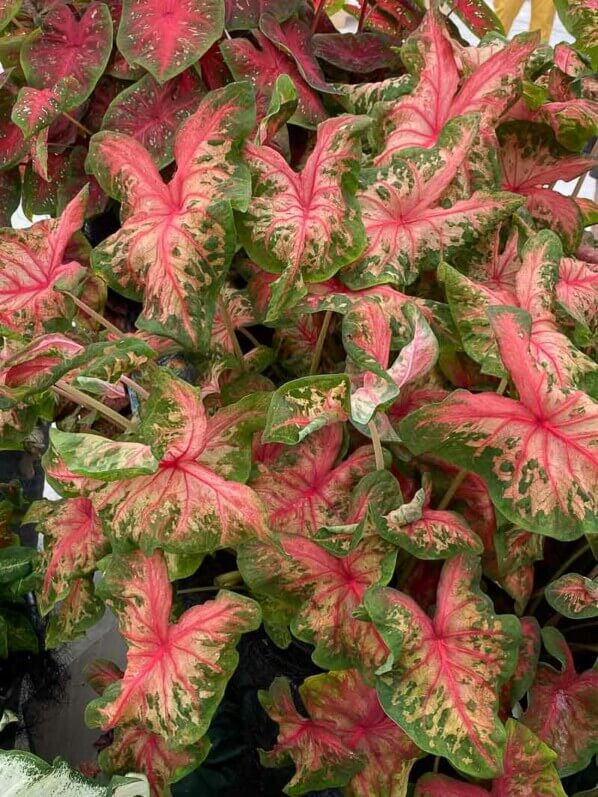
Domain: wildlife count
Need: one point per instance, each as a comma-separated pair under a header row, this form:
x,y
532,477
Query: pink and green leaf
x,y
263,65
478,16
176,241
418,119
193,501
10,195
78,611
32,263
563,707
574,596
429,533
536,454
305,225
306,487
407,226
580,17
176,673
441,681
516,552
326,590
346,730
246,15
577,291
305,405
137,750
167,36
100,673
67,46
36,109
529,769
152,113
100,458
73,545
530,159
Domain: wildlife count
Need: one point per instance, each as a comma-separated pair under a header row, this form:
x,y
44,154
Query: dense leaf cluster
x,y
344,331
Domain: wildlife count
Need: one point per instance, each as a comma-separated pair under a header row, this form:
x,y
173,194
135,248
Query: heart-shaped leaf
x,y
176,673
79,611
137,750
325,591
32,263
563,707
302,406
418,119
303,487
407,225
428,533
73,545
441,681
69,46
305,225
36,109
263,65
174,250
577,291
167,36
534,292
574,596
346,730
530,159
536,454
151,113
528,769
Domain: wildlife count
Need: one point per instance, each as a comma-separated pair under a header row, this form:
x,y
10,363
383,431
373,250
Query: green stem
x,y
141,391
317,355
94,314
78,124
78,397
378,452
457,481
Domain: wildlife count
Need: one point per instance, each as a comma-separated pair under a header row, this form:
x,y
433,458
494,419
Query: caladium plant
x,y
313,327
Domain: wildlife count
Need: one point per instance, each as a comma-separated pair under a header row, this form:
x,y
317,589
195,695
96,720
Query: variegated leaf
x,y
574,596
534,292
78,611
441,681
100,673
563,707
167,36
537,454
516,552
136,749
176,673
100,458
73,545
32,263
305,487
418,119
577,291
325,590
263,66
346,730
305,405
36,109
408,227
531,158
176,241
69,46
528,770
428,533
367,337
580,17
305,225
193,501
151,113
